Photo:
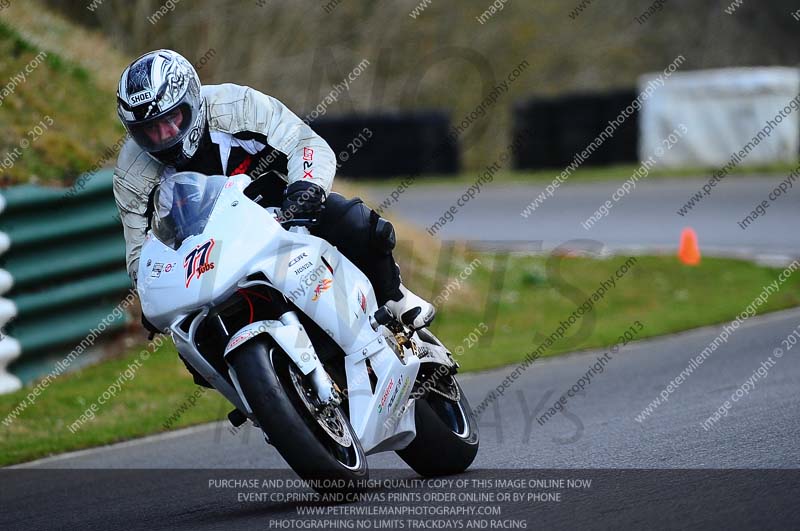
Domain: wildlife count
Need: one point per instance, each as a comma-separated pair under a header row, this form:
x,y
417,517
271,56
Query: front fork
x,y
320,380
288,332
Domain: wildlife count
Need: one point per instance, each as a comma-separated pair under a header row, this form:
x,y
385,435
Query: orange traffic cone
x,y
689,250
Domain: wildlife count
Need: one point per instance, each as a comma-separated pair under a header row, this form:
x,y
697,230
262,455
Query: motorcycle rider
x,y
175,124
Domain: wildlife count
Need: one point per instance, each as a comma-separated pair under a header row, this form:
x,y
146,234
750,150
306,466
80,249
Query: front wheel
x,y
447,433
318,444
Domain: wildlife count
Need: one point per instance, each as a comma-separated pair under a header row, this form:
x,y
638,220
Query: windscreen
x,y
182,205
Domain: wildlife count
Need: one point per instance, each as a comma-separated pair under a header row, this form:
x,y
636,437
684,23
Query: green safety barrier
x,y
62,260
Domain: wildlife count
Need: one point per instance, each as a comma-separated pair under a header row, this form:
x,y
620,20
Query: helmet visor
x,y
163,131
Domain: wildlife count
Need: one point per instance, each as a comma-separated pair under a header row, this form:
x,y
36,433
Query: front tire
x,y
447,435
315,449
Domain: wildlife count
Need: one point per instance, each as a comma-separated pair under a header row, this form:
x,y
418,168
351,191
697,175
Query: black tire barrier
x,y
559,128
391,144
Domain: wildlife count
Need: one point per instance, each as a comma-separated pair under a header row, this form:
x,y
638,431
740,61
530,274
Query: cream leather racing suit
x,y
241,121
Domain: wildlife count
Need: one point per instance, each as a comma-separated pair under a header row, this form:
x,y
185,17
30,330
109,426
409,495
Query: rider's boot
x,y
411,309
368,241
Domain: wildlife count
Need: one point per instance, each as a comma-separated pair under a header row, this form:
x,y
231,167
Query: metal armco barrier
x,y
62,271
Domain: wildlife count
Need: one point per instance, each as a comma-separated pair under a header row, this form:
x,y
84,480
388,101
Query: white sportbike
x,y
289,331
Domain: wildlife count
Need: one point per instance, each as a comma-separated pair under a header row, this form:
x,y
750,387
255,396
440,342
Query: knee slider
x,y
382,235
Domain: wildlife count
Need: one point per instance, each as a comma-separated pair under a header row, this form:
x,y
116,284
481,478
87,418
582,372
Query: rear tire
x,y
447,436
269,380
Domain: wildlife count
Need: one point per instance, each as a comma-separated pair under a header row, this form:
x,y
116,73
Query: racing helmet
x,y
160,105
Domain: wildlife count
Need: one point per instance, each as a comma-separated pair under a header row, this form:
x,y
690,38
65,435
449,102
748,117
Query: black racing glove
x,y
303,203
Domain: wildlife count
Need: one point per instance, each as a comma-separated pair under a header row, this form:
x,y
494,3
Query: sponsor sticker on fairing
x,y
321,288
385,395
198,261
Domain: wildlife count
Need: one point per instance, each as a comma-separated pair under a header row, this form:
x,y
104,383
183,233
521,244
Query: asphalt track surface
x,y
761,430
599,431
645,220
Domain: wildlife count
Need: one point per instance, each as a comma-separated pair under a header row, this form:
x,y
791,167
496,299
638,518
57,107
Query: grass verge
x,y
57,122
534,296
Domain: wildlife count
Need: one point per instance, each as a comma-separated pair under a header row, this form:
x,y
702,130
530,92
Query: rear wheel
x,y
447,432
318,443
